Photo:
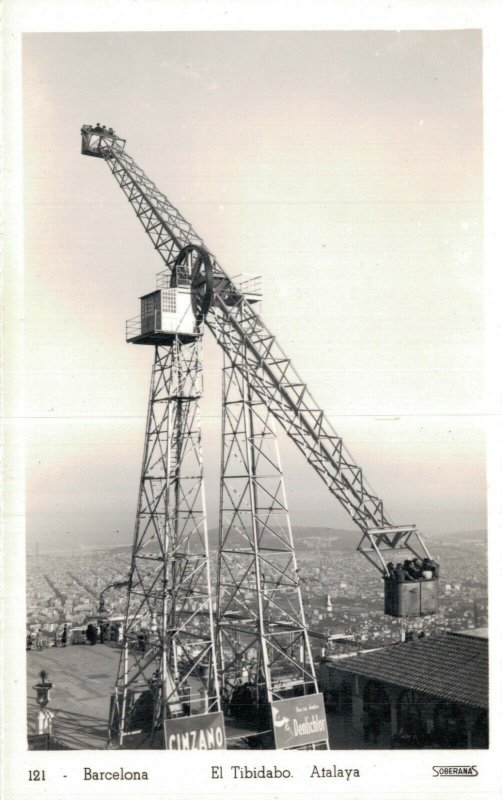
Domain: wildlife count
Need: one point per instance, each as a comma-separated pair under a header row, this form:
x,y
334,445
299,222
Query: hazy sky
x,y
346,168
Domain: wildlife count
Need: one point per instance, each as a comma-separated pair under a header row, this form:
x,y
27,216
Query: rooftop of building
x,y
482,633
453,666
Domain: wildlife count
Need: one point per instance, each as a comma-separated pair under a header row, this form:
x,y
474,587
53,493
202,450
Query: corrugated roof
x,y
445,665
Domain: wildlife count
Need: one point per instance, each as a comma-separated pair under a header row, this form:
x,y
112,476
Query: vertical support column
x,y
168,647
263,639
263,664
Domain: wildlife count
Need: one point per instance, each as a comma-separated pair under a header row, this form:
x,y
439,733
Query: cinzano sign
x,y
200,732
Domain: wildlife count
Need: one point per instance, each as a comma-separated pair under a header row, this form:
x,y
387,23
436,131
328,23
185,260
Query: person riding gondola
x,y
430,569
400,574
415,569
409,571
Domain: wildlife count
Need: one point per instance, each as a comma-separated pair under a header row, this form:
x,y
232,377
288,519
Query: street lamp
x,y
329,606
103,614
44,717
42,689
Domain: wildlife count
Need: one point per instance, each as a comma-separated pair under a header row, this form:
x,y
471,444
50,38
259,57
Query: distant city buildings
x,y
342,594
65,586
356,647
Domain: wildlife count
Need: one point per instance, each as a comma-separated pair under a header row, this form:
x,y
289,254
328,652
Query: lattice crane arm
x,y
249,344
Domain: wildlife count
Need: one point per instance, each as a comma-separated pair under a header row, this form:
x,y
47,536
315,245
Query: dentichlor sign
x,y
299,721
200,732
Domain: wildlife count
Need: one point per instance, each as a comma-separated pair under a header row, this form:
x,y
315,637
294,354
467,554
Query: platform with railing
x,y
233,290
249,285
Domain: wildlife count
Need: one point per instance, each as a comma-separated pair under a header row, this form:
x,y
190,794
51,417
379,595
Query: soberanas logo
x,y
455,772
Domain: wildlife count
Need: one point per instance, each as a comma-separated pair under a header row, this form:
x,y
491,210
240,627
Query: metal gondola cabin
x,y
405,594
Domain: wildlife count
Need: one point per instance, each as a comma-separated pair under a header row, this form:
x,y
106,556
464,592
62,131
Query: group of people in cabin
x,y
103,129
415,569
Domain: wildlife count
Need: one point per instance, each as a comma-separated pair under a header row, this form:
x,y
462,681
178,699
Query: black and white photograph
x,y
252,424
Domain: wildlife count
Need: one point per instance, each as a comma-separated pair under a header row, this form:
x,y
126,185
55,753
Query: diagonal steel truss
x,y
259,375
261,623
169,648
237,324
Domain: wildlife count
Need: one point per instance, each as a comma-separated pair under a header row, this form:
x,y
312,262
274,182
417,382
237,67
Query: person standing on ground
x,y
64,636
94,634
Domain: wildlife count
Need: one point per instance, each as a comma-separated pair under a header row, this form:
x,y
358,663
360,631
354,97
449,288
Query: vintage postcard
x,y
251,400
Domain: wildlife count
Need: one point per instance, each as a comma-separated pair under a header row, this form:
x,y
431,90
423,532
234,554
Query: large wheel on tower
x,y
193,267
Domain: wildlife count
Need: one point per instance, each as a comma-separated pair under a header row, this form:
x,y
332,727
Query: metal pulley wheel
x,y
193,268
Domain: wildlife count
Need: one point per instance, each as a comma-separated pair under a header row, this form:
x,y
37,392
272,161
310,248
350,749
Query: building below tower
x,y
429,692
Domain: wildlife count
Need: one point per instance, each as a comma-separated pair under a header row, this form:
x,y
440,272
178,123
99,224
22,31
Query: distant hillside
x,y
463,536
305,537
343,540
463,541
340,539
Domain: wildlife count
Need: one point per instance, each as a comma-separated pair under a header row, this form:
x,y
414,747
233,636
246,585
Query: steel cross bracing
x,y
261,623
169,658
275,379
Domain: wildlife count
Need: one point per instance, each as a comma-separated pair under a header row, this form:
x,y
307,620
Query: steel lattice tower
x,y
263,637
260,610
169,646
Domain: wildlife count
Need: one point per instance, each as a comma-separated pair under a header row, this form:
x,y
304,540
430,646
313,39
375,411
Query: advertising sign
x,y
299,721
200,732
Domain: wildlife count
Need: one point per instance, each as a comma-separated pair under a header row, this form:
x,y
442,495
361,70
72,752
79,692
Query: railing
x,y
164,279
148,323
245,284
248,284
133,327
